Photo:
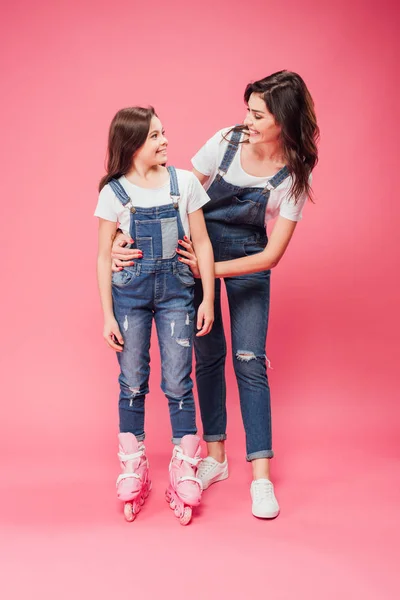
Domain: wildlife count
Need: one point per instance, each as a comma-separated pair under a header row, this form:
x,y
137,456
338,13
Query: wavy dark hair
x,y
128,132
287,98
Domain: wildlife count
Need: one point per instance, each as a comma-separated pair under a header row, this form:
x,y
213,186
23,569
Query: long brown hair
x,y
287,98
128,132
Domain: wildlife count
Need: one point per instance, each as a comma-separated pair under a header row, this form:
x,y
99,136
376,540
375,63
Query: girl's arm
x,y
200,176
111,332
205,259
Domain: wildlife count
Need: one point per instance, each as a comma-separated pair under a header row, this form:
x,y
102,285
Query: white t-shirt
x,y
192,197
208,159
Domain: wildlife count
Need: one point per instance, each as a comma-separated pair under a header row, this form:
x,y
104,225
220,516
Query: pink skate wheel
x,y
128,512
187,516
147,489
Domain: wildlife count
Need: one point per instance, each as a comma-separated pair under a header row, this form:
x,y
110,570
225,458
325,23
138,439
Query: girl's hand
x,y
188,257
205,318
123,257
112,335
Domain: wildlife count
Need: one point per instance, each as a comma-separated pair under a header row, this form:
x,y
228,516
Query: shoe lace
x,y
205,467
263,490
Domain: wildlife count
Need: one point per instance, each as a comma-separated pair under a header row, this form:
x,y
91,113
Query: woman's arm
x,y
111,332
121,256
205,258
267,259
200,176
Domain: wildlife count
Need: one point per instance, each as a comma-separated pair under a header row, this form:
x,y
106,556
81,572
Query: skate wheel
x,y
177,511
187,516
168,496
129,512
147,490
142,499
172,504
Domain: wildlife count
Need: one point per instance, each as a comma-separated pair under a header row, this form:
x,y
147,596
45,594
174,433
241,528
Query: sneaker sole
x,y
272,515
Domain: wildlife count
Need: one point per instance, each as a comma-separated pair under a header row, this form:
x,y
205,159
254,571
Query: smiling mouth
x,y
163,151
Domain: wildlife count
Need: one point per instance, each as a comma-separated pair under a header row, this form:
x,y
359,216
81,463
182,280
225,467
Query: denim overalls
x,y
158,286
235,219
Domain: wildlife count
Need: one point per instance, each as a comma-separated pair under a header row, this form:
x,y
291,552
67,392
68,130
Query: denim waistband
x,y
159,265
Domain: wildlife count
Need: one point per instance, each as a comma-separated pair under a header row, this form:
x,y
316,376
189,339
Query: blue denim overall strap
x,y
276,180
229,154
174,186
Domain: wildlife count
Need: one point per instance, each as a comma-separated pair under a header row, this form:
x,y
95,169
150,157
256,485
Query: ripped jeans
x,y
248,298
162,290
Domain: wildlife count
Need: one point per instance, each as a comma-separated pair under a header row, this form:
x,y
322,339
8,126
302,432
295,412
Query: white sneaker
x,y
265,505
210,471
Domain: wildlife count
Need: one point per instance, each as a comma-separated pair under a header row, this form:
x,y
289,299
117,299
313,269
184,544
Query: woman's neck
x,y
268,152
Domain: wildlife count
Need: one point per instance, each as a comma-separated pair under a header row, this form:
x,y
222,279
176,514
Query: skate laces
x,y
180,456
124,459
193,461
263,490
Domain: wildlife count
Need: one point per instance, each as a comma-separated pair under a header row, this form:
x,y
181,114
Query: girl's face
x,y
154,150
260,123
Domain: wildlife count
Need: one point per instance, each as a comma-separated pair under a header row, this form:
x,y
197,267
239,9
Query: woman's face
x,y
260,123
154,150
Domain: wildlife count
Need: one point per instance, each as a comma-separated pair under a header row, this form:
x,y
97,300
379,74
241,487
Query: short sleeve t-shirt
x,y
208,159
192,197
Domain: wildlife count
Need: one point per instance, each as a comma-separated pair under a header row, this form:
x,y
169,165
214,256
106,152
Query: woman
x,y
252,174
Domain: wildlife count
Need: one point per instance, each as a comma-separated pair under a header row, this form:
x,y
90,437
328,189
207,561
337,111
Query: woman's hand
x,y
189,257
205,318
121,256
112,335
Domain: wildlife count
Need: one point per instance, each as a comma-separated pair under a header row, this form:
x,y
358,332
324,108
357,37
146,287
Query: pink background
x,y
67,68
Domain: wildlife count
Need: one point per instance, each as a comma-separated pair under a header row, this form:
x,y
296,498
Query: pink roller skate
x,y
185,489
133,485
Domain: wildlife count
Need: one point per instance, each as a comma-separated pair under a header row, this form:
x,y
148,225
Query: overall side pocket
x,y
122,278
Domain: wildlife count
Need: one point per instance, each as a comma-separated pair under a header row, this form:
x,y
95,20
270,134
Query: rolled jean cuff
x,y
261,454
221,437
176,441
141,437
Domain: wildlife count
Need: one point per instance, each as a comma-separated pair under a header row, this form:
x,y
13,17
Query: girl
x,y
253,173
156,207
